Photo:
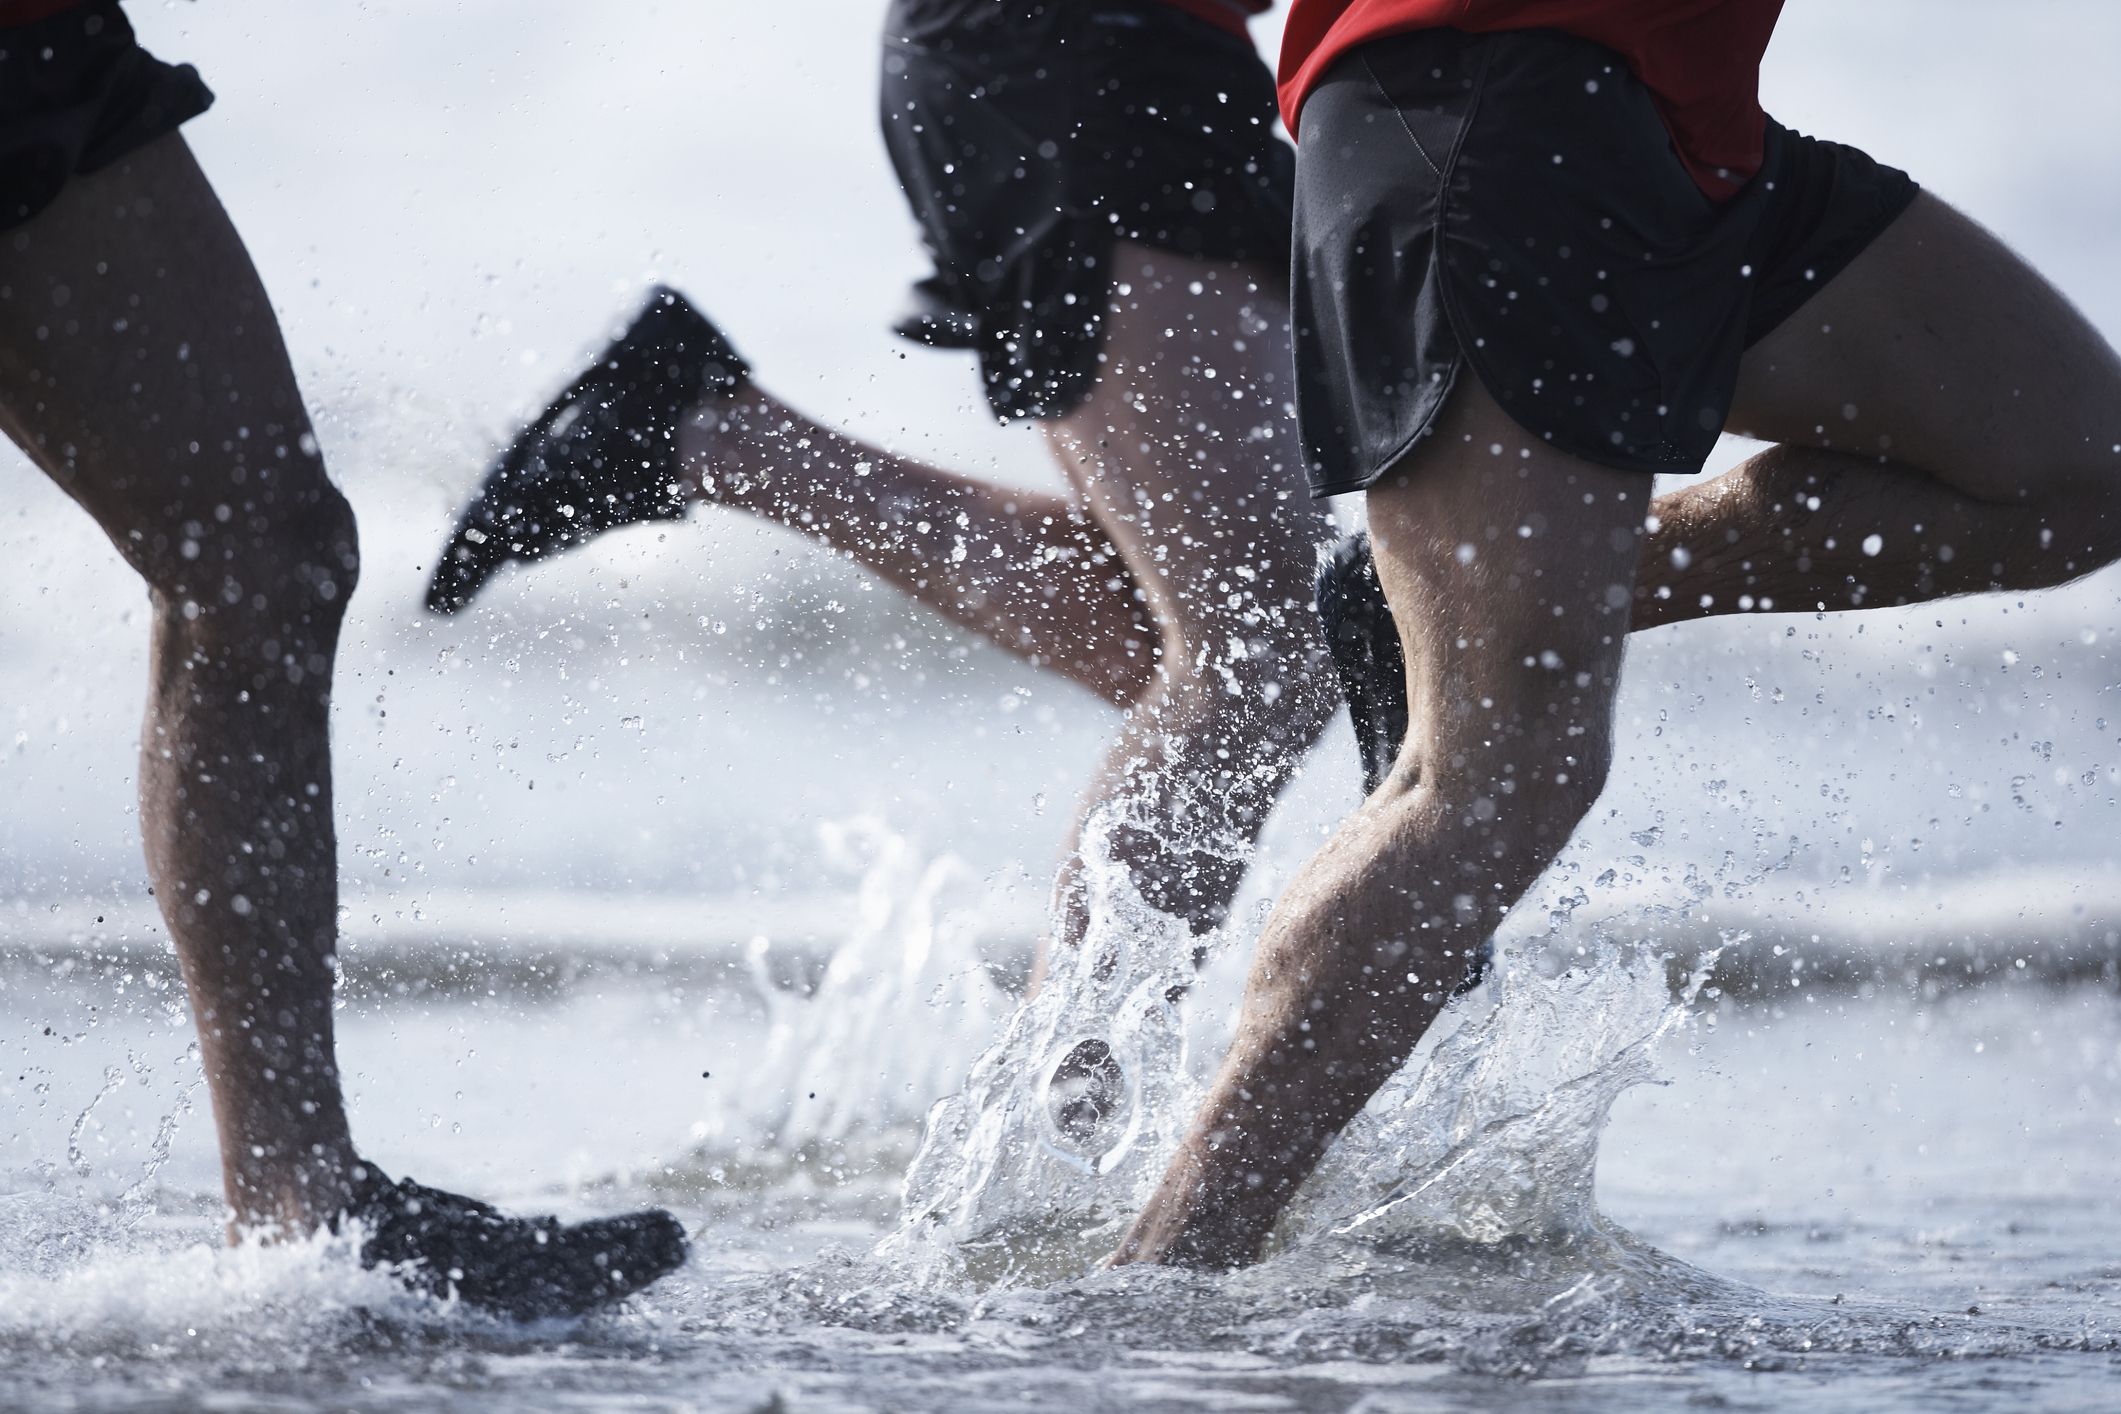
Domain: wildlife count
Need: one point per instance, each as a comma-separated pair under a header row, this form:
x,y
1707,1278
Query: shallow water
x,y
1883,1203
1875,1193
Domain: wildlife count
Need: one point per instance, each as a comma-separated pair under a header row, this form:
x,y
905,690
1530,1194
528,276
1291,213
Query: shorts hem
x,y
1837,260
1343,486
1634,373
99,99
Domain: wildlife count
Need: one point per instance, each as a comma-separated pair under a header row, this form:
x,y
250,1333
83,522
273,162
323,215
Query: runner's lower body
x,y
142,370
1515,308
1108,210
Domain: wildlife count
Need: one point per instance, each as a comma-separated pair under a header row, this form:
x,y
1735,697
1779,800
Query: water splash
x,y
1489,1144
1067,1120
836,1074
1495,1138
137,1202
76,1154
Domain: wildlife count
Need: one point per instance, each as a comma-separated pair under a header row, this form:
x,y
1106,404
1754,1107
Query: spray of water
x,y
1064,1123
1481,1150
1495,1138
1067,1108
837,1060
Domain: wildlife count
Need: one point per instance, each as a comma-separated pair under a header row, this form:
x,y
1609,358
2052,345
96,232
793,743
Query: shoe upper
x,y
1366,653
446,1244
602,454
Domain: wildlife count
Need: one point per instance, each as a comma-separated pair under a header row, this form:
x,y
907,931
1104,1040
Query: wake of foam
x,y
76,1273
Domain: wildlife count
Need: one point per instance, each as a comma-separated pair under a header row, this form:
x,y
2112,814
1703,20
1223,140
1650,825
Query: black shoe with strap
x,y
604,453
1366,653
527,1268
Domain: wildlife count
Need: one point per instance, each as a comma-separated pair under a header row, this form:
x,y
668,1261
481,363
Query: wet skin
x,y
1181,466
141,368
1937,395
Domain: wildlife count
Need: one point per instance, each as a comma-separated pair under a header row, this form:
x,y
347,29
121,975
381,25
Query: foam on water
x,y
78,1274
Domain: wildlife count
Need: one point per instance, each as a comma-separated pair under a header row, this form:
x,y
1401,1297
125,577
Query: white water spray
x,y
1067,1120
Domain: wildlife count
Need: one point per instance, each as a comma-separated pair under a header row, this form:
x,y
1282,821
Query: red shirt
x,y
1700,59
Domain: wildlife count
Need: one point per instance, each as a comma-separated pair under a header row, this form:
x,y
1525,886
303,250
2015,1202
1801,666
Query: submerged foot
x,y
1085,1093
1366,653
521,1267
604,453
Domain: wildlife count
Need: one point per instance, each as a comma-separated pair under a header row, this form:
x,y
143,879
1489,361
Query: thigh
x,y
1939,349
1185,452
1509,567
140,362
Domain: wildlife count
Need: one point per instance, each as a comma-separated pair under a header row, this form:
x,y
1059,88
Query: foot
x,y
1084,1094
520,1267
1365,643
603,454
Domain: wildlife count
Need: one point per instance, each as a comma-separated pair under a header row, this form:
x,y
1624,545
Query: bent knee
x,y
289,552
1525,805
1541,802
2091,511
2067,529
1273,687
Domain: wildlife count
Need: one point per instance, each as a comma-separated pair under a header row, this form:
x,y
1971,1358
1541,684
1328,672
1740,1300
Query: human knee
x,y
1259,689
281,553
2066,524
1522,799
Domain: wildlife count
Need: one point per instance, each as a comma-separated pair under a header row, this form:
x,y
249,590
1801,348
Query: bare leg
x,y
1937,396
1023,569
141,368
1186,457
1510,571
1948,424
1178,584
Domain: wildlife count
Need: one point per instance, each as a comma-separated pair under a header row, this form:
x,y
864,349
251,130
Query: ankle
x,y
721,450
277,1196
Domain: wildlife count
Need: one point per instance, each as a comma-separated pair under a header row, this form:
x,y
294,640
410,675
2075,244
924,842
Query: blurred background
x,y
635,751
602,834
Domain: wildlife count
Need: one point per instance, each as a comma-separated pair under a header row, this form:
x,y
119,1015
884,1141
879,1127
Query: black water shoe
x,y
603,454
1366,652
522,1267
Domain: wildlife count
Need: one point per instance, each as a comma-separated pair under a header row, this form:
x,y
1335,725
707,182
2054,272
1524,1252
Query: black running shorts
x,y
1514,201
1029,135
77,92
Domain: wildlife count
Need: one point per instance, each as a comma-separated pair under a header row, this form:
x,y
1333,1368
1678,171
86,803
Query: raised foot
x,y
604,453
522,1267
1366,653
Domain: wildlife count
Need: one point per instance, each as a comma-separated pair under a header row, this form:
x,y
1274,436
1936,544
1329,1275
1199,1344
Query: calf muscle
x,y
1510,571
